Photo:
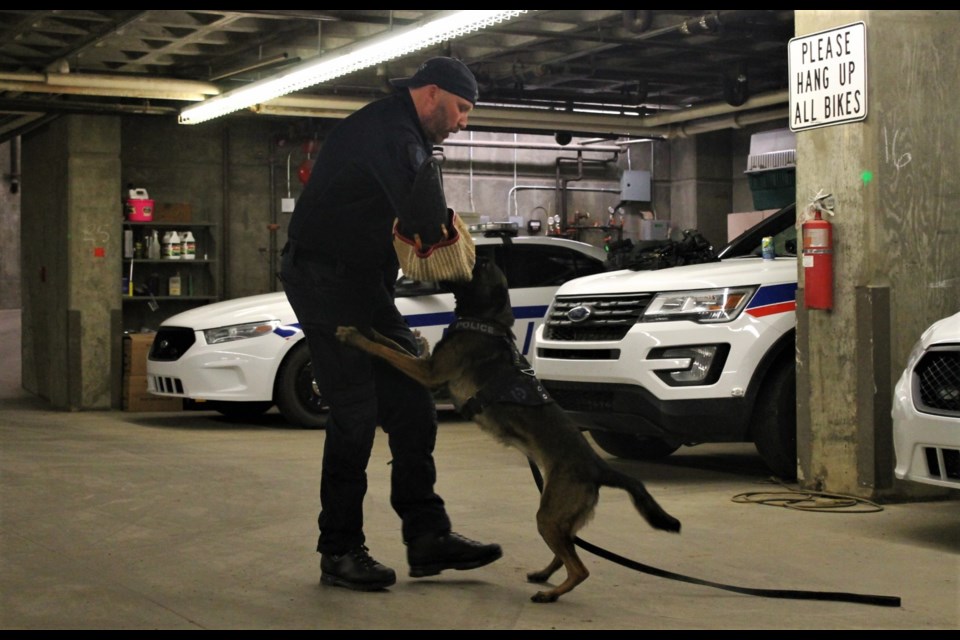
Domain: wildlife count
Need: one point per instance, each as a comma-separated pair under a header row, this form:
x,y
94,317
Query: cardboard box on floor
x,y
136,347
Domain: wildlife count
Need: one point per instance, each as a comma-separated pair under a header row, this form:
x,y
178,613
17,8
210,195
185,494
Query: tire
x,y
240,411
298,399
774,423
631,447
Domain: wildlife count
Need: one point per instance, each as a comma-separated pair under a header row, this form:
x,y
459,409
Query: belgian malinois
x,y
490,382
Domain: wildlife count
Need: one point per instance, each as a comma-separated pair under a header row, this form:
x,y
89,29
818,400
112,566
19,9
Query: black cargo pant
x,y
363,392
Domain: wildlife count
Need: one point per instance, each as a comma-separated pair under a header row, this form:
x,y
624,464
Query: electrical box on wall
x,y
287,205
635,186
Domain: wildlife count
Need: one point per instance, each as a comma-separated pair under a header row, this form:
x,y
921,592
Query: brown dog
x,y
490,382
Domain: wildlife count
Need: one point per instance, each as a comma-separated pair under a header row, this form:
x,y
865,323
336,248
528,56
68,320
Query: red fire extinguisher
x,y
818,259
306,167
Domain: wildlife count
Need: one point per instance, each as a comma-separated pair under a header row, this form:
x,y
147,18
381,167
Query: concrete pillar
x,y
896,233
10,224
701,187
71,256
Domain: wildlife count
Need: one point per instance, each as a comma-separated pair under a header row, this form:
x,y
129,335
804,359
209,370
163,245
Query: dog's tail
x,y
649,508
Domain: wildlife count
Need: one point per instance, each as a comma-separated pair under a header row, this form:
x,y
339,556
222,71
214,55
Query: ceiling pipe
x,y
108,85
113,92
536,146
656,126
770,99
86,106
261,65
545,120
25,123
733,121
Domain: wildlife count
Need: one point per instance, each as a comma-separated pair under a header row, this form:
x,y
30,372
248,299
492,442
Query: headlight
x,y
239,331
705,305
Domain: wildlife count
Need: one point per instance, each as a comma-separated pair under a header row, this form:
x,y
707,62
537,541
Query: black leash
x,y
883,601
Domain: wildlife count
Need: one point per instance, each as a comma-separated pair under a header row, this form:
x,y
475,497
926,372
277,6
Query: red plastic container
x,y
139,207
140,210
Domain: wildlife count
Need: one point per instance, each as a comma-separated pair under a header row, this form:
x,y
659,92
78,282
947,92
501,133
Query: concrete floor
x,y
114,520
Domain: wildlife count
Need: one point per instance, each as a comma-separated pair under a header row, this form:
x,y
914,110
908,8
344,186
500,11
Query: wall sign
x,y
828,77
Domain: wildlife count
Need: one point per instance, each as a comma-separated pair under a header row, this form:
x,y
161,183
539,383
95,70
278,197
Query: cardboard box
x,y
737,223
654,229
172,212
137,398
136,348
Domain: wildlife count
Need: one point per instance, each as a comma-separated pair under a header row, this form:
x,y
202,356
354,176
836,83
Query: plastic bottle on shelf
x,y
153,246
188,246
165,245
174,285
171,245
128,244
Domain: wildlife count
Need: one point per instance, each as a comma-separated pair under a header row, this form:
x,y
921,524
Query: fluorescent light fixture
x,y
396,44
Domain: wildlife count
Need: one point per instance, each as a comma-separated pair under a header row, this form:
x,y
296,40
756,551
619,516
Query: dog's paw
x,y
538,577
347,334
544,596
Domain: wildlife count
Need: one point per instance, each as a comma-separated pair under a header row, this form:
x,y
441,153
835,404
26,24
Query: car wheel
x,y
298,398
774,424
632,447
240,410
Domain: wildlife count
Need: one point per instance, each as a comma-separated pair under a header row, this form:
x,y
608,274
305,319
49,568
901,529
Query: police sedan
x,y
244,356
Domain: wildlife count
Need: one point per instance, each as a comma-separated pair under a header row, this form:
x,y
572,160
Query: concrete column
x,y
72,247
896,232
701,184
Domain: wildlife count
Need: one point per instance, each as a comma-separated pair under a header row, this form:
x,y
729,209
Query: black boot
x,y
356,570
431,554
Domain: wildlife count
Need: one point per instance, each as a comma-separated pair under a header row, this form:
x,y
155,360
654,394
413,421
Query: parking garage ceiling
x,y
587,72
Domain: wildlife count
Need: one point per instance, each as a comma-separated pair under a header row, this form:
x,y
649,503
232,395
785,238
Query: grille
x,y
579,399
943,463
609,317
166,384
171,343
938,381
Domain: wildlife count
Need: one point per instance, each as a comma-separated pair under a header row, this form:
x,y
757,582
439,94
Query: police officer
x,y
339,268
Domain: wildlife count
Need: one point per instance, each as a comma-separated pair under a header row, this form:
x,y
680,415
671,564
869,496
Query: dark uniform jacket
x,y
360,182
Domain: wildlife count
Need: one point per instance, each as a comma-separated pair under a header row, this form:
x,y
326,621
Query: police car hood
x,y
258,308
725,273
267,306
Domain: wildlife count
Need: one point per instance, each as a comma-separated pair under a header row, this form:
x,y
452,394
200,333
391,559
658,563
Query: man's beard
x,y
434,124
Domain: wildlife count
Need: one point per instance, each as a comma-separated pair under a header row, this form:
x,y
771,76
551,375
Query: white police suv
x,y
241,357
653,360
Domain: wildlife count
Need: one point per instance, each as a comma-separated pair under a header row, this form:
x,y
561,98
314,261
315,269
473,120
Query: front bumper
x,y
927,446
633,409
243,371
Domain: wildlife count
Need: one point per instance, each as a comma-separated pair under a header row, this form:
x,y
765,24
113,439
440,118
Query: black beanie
x,y
449,74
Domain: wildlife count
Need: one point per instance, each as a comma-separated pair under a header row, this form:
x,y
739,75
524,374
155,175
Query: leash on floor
x,y
836,596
